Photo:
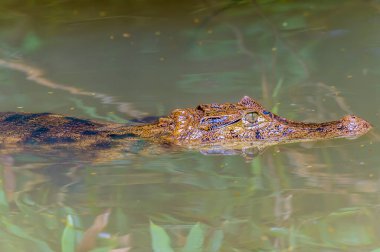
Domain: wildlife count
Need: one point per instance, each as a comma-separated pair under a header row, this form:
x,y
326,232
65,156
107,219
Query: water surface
x,y
119,62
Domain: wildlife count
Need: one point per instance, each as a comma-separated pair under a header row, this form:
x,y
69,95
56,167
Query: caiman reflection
x,y
207,126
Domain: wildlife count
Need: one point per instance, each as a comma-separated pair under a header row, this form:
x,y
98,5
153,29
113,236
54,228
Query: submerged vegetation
x,y
293,198
205,209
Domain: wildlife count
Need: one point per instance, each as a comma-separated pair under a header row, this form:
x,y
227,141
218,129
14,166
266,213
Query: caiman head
x,y
247,123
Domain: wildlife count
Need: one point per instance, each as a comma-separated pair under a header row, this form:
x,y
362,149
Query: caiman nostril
x,y
356,125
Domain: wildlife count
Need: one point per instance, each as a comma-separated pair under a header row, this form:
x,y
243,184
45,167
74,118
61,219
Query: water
x,y
117,62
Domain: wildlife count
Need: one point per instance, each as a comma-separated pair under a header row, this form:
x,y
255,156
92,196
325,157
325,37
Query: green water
x,y
306,60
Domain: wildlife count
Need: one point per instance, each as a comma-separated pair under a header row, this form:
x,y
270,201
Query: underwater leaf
x,y
277,89
19,232
70,235
275,108
160,239
195,239
215,242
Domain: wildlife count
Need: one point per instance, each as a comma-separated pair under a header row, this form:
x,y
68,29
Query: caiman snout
x,y
355,126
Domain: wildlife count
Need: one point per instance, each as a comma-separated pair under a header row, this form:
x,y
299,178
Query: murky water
x,y
118,62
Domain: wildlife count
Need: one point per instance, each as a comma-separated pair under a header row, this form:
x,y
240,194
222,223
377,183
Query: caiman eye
x,y
251,117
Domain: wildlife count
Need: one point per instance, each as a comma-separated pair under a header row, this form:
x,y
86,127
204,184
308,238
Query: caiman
x,y
206,127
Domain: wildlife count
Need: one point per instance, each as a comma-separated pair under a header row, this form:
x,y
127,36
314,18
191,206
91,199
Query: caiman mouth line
x,y
225,125
244,123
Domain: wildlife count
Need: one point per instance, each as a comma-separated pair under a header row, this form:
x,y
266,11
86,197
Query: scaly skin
x,y
228,125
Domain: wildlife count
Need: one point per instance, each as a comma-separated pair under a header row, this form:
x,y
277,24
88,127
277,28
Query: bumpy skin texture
x,y
241,124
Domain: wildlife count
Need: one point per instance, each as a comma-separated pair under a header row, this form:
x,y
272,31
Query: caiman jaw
x,y
349,126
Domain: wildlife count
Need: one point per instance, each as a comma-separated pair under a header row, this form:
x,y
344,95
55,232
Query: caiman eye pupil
x,y
251,117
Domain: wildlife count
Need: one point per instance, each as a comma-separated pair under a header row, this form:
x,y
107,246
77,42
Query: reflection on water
x,y
115,62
